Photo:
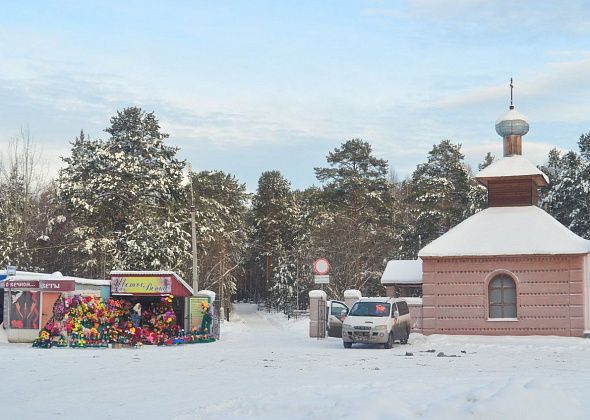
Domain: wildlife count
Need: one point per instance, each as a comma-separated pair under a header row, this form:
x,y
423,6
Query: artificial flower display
x,y
90,321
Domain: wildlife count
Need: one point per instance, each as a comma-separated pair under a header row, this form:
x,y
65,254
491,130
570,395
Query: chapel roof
x,y
523,230
512,166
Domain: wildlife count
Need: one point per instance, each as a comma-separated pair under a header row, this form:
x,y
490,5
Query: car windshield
x,y
370,309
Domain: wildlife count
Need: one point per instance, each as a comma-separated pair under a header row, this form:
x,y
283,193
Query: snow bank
x,y
511,398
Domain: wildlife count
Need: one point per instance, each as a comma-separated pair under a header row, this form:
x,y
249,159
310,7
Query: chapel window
x,y
502,297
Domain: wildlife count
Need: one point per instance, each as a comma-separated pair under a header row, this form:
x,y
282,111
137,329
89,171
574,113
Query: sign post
x,y
324,279
321,268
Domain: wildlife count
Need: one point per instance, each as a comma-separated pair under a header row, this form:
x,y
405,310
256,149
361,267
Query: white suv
x,y
377,321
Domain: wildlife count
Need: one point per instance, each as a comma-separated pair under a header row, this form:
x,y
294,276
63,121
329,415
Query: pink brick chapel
x,y
511,269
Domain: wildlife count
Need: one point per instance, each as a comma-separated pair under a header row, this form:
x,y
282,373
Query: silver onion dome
x,y
512,123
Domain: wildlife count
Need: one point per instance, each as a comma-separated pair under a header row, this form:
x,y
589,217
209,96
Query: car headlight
x,y
347,326
380,327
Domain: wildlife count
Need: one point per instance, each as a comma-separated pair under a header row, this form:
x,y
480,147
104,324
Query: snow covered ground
x,y
267,367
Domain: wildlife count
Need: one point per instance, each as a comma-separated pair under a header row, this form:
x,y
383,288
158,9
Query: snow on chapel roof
x,y
526,230
511,115
402,272
510,166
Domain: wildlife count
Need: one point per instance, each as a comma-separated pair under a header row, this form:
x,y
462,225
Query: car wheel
x,y
347,344
389,343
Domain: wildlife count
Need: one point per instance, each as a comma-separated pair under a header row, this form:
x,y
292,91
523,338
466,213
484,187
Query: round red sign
x,y
321,266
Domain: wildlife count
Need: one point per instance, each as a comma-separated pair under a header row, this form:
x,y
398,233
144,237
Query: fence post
x,y
317,314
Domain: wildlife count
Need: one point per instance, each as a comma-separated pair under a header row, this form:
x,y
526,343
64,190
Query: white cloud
x,y
557,92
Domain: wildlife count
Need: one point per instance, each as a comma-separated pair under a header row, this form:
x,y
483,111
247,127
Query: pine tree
x,y
120,189
221,209
356,227
584,146
277,228
478,194
568,198
439,193
487,161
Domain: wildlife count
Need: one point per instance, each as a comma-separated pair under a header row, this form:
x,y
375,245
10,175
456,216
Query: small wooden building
x,y
510,269
148,287
29,299
403,278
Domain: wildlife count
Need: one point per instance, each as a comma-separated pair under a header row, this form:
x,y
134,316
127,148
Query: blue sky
x,y
248,86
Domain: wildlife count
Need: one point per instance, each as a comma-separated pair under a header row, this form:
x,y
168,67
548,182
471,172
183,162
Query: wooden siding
x,y
512,192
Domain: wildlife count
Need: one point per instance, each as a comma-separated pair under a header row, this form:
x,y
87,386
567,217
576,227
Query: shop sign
x,y
141,285
57,285
21,284
196,311
43,285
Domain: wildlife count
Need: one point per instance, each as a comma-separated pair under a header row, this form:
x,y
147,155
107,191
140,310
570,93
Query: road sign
x,y
321,266
321,279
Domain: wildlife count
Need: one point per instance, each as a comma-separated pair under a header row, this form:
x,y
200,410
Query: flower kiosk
x,y
132,309
162,308
156,299
29,299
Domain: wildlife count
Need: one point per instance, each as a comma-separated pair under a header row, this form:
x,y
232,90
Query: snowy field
x,y
266,367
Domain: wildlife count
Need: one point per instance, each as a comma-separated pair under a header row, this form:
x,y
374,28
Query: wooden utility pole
x,y
224,298
297,279
266,272
194,234
221,268
357,272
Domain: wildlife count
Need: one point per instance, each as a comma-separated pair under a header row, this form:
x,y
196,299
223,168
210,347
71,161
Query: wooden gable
x,y
512,192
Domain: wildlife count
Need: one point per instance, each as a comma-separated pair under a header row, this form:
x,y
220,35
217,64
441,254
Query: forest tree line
x,y
124,203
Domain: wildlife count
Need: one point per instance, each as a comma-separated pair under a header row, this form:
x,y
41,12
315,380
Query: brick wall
x,y
550,295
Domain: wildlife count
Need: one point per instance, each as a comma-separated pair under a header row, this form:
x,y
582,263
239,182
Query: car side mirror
x,y
396,314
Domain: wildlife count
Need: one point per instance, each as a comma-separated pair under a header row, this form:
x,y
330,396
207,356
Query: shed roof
x,y
30,275
525,230
402,272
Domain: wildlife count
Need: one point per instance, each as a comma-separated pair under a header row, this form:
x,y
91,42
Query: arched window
x,y
502,297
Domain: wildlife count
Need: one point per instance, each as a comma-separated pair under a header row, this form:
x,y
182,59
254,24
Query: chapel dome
x,y
512,123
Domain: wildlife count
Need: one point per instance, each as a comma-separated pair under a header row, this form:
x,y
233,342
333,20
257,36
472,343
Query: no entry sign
x,y
321,266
